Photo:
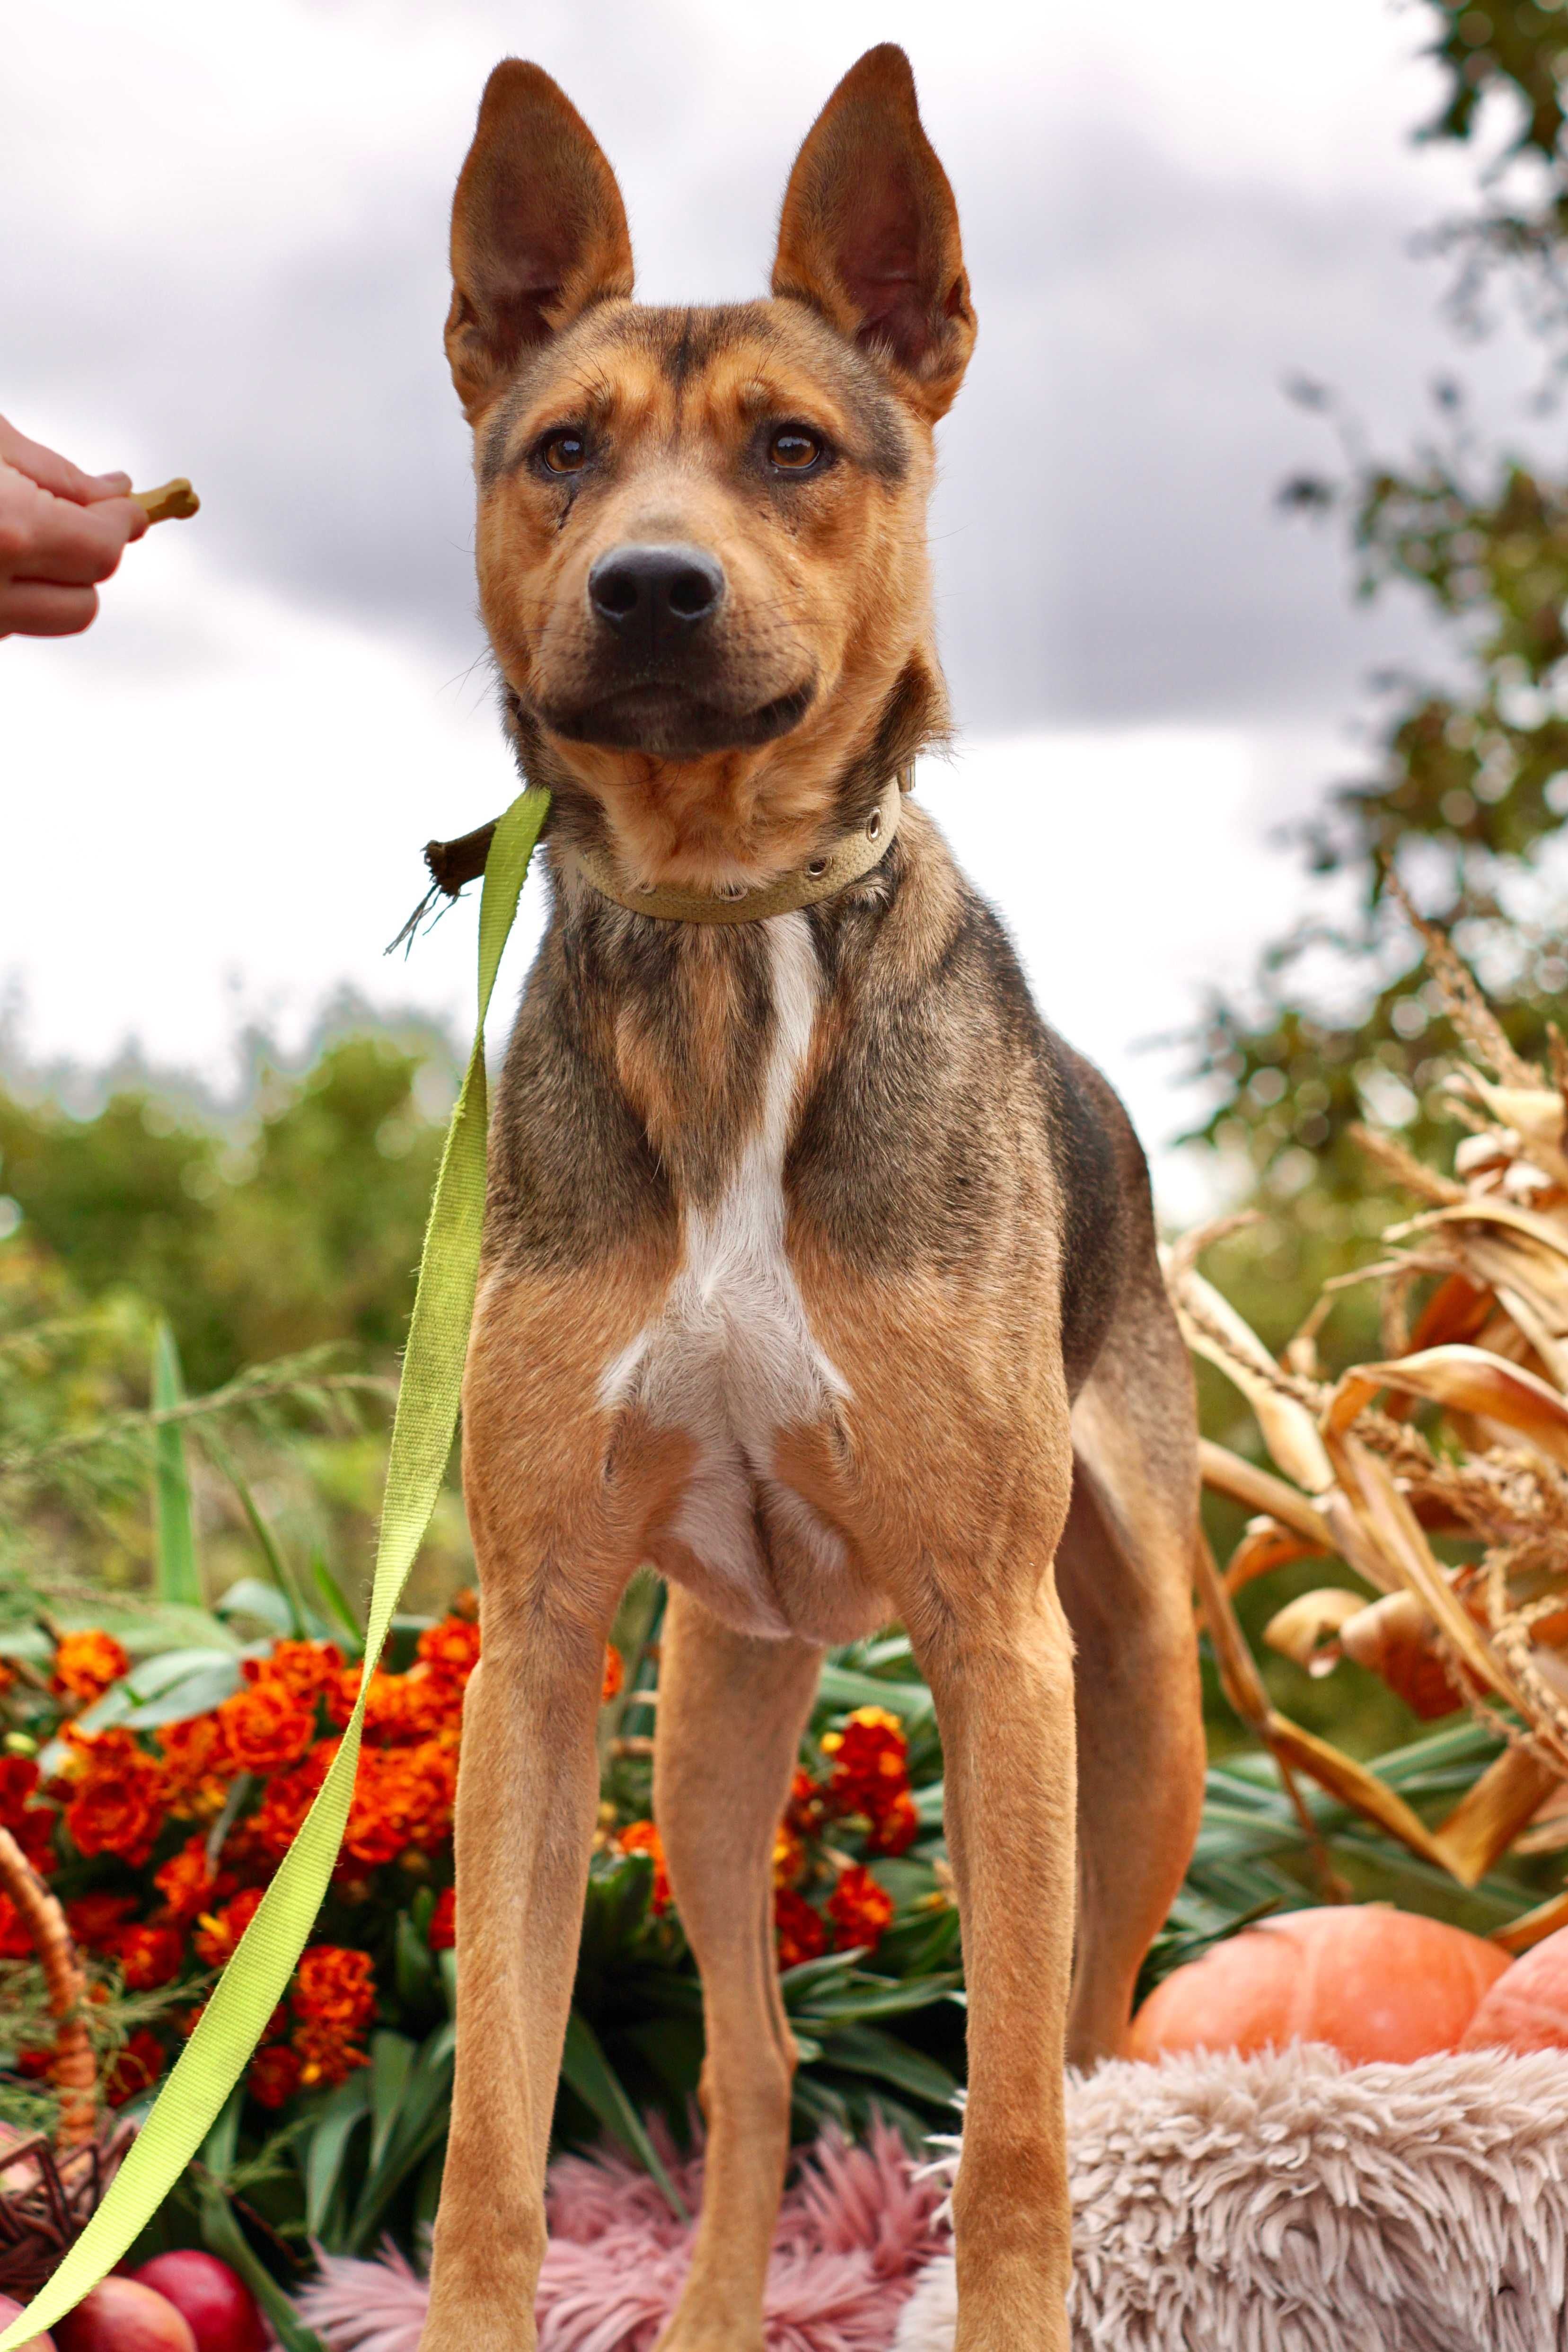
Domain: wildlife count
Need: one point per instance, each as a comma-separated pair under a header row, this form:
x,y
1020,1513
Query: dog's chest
x,y
731,1359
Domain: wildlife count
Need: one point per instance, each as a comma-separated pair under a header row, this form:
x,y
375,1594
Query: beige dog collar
x,y
850,860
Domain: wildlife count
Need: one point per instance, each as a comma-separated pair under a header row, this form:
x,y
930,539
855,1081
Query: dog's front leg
x,y
1001,1674
527,1793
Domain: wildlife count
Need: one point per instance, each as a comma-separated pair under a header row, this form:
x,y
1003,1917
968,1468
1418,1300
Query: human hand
x,y
61,532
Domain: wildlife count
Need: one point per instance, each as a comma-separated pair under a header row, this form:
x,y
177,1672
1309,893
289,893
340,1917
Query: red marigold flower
x,y
614,1673
195,1765
86,1663
799,1930
895,1829
135,2068
95,1920
870,1763
806,1812
149,1955
334,1985
186,1881
305,1668
15,1941
265,1726
273,2075
642,1837
442,1932
326,2054
115,1807
33,1831
33,2065
217,1932
452,1644
858,1909
18,1779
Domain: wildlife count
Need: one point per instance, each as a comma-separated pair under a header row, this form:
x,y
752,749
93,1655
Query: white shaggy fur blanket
x,y
1290,2203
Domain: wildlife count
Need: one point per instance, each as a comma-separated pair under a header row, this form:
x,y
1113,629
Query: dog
x,y
817,1271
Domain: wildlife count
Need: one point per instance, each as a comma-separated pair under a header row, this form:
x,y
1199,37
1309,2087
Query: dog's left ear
x,y
870,233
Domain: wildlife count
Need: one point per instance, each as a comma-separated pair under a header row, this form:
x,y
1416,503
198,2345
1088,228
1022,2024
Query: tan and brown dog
x,y
818,1272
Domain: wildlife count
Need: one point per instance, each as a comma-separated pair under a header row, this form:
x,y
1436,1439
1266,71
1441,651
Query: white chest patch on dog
x,y
732,1360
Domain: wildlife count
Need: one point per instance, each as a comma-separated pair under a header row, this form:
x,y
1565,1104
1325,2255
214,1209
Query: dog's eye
x,y
563,453
793,450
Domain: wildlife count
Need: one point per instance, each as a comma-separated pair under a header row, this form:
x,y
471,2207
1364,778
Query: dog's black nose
x,y
653,595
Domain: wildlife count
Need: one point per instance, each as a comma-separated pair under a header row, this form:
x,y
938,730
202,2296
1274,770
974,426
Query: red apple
x,y
121,2315
224,2315
10,2311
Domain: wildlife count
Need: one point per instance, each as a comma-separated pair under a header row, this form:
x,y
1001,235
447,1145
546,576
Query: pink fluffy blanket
x,y
855,2228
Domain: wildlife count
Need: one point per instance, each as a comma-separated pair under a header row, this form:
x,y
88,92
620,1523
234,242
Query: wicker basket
x,y
49,2191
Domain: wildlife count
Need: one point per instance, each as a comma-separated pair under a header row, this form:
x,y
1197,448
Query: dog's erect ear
x,y
538,230
870,232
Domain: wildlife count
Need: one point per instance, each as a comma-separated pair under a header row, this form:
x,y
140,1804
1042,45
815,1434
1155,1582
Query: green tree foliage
x,y
1468,788
298,1224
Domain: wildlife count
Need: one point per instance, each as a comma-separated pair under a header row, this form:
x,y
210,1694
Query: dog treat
x,y
173,501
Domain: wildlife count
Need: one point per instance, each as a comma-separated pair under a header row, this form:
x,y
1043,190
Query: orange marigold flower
x,y
858,1909
86,1663
895,1829
641,1837
385,1702
135,2068
798,1929
404,1796
115,1807
195,1764
273,2075
217,1932
334,1985
452,1645
305,1668
465,1602
442,1932
16,1940
149,1955
265,1726
789,1855
432,1702
95,1920
614,1673
288,1797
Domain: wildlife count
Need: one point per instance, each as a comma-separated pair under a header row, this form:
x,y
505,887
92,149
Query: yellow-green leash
x,y
253,1983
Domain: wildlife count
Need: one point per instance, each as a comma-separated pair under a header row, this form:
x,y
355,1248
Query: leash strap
x,y
254,1982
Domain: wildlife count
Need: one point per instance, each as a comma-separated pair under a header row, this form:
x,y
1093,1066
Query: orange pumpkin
x,y
1372,1982
1527,2008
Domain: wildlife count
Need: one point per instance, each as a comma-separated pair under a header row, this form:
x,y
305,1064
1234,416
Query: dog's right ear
x,y
538,230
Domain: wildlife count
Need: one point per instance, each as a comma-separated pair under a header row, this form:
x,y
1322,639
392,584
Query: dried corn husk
x,y
1459,1430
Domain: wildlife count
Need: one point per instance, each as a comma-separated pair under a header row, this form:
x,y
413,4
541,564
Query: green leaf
x,y
390,2063
219,2147
329,2145
336,1601
413,1965
249,1597
178,1574
272,1552
222,2235
841,1686
601,2090
195,1696
155,1675
861,2050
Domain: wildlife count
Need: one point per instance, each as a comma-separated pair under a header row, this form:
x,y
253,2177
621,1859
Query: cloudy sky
x,y
225,257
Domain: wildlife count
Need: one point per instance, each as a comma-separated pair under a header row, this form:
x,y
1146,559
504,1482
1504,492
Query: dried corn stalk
x,y
1355,1479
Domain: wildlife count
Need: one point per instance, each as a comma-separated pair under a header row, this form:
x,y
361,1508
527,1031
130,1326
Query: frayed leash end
x,y
453,865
